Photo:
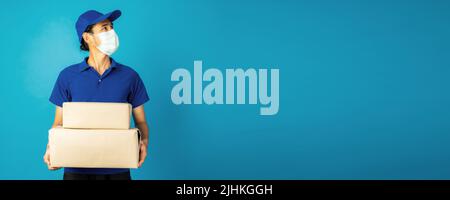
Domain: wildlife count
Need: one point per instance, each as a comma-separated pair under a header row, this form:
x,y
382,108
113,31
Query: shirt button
x,y
99,80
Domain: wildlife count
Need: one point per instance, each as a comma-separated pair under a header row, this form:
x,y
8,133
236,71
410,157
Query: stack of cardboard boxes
x,y
95,135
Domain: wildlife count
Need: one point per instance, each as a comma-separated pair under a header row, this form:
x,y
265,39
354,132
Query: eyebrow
x,y
107,24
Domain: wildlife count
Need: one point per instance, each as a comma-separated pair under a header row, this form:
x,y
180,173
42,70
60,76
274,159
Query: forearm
x,y
58,117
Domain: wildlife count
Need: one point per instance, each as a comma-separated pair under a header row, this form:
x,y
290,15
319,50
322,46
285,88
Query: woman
x,y
98,78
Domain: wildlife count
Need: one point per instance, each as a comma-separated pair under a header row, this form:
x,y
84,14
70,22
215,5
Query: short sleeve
x,y
138,94
60,93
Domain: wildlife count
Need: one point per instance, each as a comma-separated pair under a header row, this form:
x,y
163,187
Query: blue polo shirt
x,y
82,83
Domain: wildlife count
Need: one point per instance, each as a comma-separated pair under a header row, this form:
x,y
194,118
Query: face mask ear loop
x,y
93,57
96,46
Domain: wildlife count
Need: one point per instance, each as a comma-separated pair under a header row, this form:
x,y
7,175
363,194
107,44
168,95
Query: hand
x,y
47,160
143,152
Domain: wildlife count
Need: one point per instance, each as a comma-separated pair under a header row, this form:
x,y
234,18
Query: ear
x,y
86,37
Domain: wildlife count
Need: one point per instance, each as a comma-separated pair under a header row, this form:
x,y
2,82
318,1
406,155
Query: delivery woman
x,y
99,78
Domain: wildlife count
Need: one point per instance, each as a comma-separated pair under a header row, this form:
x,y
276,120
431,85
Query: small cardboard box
x,y
94,148
96,115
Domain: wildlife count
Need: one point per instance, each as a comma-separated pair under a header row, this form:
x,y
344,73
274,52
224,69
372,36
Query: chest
x,y
90,87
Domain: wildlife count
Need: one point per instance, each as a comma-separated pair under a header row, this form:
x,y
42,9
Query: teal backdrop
x,y
364,86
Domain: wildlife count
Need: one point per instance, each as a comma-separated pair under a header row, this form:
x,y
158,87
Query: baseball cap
x,y
92,17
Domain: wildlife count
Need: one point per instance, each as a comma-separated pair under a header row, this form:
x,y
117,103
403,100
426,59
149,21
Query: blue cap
x,y
92,17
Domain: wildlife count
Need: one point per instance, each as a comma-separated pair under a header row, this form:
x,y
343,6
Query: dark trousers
x,y
118,176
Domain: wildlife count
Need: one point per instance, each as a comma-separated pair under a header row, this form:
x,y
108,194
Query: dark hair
x,y
84,46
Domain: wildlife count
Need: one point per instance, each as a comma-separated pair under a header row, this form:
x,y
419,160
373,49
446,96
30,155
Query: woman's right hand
x,y
47,160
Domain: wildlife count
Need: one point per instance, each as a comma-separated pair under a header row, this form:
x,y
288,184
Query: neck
x,y
99,61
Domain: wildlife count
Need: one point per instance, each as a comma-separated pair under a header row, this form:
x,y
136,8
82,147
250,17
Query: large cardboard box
x,y
94,148
96,115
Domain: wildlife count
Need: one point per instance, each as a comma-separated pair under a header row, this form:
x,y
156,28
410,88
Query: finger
x,y
47,161
54,168
141,160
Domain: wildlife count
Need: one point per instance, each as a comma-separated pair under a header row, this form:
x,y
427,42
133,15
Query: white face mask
x,y
109,42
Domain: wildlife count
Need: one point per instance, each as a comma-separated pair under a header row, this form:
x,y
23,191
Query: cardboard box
x,y
94,148
96,115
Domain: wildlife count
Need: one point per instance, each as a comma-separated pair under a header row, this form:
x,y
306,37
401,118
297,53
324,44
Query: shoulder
x,y
127,70
68,72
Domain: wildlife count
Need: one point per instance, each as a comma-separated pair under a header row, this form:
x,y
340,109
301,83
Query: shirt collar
x,y
84,65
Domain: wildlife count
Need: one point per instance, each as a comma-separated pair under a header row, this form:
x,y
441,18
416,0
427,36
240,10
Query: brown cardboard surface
x,y
94,148
96,115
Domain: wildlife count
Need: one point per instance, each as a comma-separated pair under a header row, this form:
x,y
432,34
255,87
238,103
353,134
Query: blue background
x,y
364,86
